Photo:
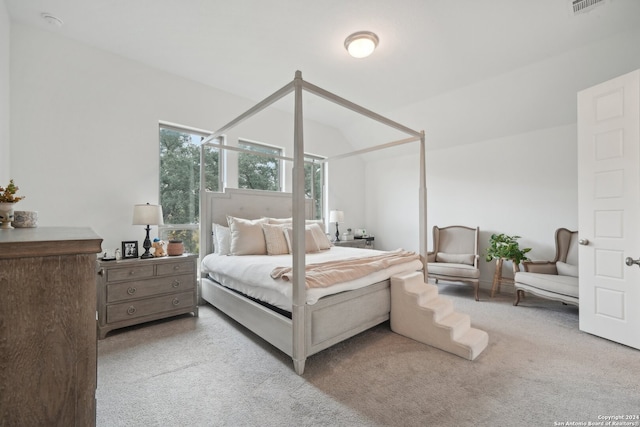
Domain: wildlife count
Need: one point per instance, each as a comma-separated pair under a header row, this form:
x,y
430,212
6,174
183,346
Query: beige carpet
x,y
538,370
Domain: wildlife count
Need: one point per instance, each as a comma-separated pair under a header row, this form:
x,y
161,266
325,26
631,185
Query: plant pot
x,y
6,215
175,248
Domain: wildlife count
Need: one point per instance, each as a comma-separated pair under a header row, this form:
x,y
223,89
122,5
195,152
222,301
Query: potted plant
x,y
8,199
502,246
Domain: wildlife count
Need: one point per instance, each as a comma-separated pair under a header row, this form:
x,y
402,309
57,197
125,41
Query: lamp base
x,y
147,245
337,233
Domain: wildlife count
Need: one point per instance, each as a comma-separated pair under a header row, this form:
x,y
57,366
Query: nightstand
x,y
133,291
356,243
368,241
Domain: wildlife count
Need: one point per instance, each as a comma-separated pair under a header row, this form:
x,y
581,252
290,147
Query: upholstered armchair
x,y
557,279
455,255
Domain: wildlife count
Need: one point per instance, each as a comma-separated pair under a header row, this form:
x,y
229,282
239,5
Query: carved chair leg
x,y
519,295
476,286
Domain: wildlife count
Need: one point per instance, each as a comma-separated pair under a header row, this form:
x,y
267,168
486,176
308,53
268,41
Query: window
x,y
259,171
180,183
313,182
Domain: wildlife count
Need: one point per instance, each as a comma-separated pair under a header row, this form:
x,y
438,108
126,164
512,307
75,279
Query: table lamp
x,y
147,215
336,216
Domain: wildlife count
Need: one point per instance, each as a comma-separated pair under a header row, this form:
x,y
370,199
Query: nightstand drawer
x,y
174,268
130,273
150,287
150,306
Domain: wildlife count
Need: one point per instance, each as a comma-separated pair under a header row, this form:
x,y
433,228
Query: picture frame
x,y
130,249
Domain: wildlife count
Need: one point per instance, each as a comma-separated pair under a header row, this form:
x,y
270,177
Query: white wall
x,y
85,132
5,31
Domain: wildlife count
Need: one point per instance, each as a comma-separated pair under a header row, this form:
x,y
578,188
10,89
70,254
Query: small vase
x,y
6,215
175,248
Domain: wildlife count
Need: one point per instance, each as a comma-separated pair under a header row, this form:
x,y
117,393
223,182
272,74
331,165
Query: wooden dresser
x,y
48,326
133,291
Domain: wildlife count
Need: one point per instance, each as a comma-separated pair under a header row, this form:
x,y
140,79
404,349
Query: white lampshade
x,y
361,44
147,215
336,216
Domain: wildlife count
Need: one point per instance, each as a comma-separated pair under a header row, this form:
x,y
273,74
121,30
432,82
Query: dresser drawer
x,y
175,268
149,287
129,273
149,306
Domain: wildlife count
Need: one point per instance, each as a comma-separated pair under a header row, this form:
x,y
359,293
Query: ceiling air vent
x,y
580,6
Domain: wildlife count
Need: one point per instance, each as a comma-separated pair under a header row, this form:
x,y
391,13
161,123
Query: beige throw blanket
x,y
328,273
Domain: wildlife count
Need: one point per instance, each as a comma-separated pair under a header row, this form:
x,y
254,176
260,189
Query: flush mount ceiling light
x,y
361,44
51,19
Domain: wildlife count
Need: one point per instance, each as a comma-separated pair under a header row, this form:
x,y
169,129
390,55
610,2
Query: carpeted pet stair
x,y
419,313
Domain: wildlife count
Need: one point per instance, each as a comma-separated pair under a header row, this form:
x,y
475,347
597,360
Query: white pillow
x,y
455,258
565,269
289,221
275,239
221,239
247,237
280,220
310,244
319,236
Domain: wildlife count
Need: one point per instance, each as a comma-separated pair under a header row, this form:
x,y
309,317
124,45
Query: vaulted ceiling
x,y
252,47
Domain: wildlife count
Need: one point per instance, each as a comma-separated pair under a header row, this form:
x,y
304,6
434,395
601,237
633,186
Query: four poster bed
x,y
302,315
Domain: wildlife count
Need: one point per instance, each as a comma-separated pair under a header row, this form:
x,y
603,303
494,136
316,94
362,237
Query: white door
x,y
609,209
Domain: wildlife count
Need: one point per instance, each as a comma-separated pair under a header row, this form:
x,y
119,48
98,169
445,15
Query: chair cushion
x,y
565,269
455,258
453,270
564,285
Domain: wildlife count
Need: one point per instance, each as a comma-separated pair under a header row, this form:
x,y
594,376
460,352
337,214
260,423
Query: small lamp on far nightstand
x,y
147,215
336,216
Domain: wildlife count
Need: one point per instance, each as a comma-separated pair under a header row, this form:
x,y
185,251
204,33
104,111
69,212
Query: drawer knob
x,y
131,310
176,283
175,301
131,272
131,290
176,267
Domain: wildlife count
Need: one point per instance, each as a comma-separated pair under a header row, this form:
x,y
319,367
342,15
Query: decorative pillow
x,y
319,236
280,220
275,239
455,258
289,221
565,269
247,237
221,239
309,242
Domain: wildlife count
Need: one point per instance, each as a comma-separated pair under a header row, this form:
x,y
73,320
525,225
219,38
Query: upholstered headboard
x,y
243,203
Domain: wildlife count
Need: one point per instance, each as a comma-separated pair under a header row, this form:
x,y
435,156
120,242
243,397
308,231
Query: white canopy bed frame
x,y
312,327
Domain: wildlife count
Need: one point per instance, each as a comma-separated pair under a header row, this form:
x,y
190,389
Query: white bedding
x,y
250,274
